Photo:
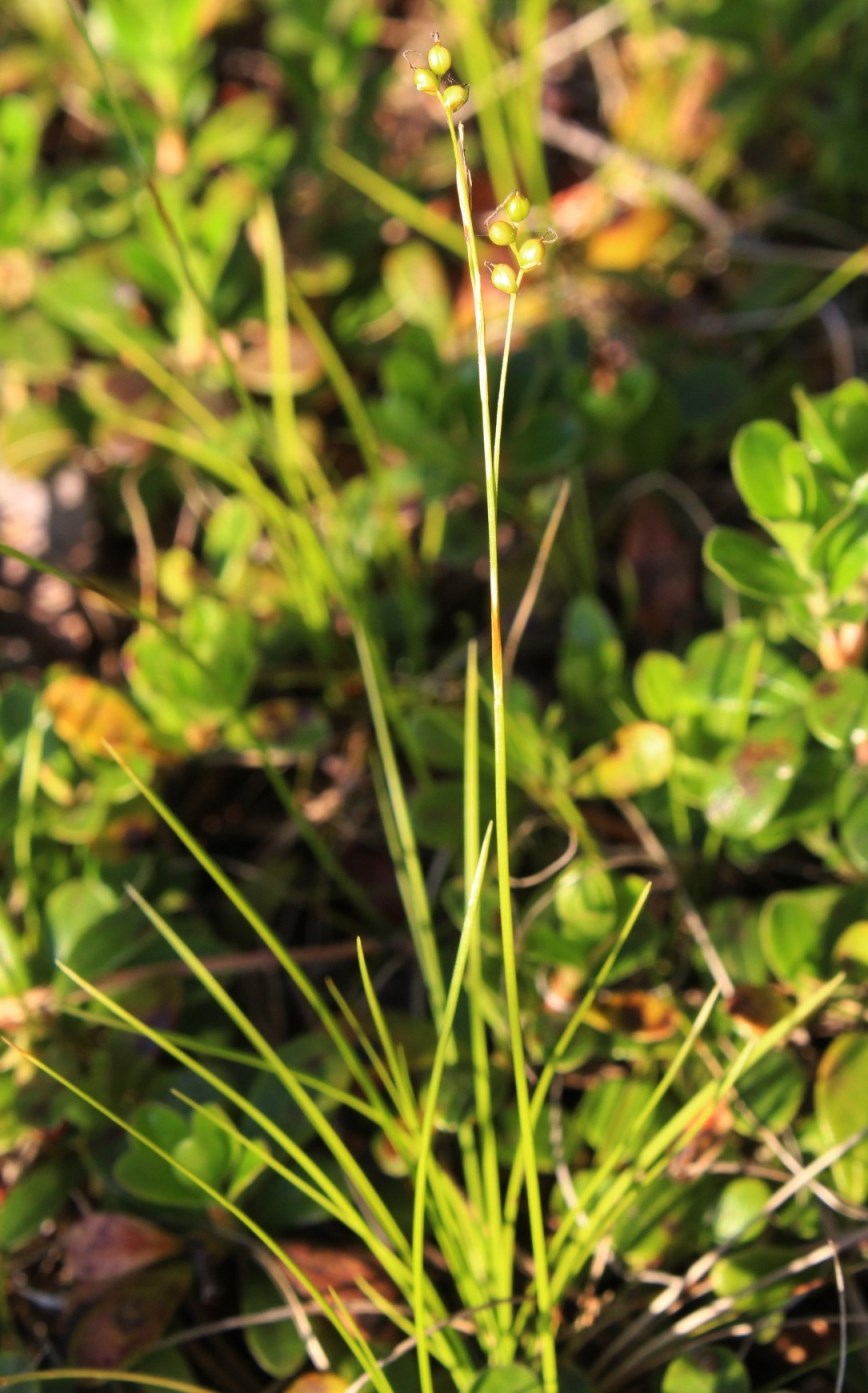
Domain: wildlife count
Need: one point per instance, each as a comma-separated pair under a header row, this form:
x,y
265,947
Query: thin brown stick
x,y
535,580
692,919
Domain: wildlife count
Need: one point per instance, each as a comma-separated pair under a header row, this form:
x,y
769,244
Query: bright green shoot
x,y
436,78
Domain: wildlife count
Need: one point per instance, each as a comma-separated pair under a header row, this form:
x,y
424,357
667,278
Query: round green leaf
x,y
752,780
510,1378
851,950
416,283
837,708
278,1348
767,488
591,655
706,1371
751,567
835,428
656,681
841,1101
148,1176
854,835
797,930
739,1217
33,1199
737,1275
774,1087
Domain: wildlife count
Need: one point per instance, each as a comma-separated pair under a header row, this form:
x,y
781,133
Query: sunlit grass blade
x,y
297,465
407,1100
360,1350
299,979
416,895
394,1087
394,200
320,1188
345,388
348,1163
441,1056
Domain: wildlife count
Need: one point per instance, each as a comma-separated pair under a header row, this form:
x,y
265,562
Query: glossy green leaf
x,y
207,1150
586,901
189,690
739,1217
851,951
837,708
509,1378
774,1088
797,931
234,131
840,549
38,1196
277,1347
709,1370
416,283
841,1102
835,428
736,1275
730,675
606,1114
656,682
733,924
591,656
668,1222
854,834
91,929
767,487
146,1175
751,567
752,779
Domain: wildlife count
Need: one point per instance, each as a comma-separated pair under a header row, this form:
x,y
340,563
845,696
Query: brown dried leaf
x,y
103,1247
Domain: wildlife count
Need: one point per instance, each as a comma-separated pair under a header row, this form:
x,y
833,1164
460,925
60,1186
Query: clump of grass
x,y
472,1220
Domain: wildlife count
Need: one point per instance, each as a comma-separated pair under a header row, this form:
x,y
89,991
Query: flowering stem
x,y
510,974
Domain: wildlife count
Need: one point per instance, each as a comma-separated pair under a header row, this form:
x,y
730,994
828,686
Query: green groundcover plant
x,y
511,1243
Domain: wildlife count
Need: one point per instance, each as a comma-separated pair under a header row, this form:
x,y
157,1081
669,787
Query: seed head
x,y
504,278
501,232
439,58
530,254
517,207
455,96
425,80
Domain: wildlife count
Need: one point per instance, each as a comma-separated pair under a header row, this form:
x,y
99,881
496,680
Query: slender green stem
x,y
408,866
426,1139
501,391
168,223
480,1062
536,1217
22,837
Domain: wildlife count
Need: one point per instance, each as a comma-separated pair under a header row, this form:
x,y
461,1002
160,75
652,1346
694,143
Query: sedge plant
x,y
473,1226
435,77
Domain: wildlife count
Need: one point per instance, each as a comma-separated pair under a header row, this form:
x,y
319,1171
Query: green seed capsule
x,y
439,59
503,278
425,80
501,233
531,253
517,207
455,96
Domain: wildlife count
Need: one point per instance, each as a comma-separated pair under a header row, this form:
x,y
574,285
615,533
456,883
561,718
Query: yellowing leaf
x,y
627,243
87,713
639,756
